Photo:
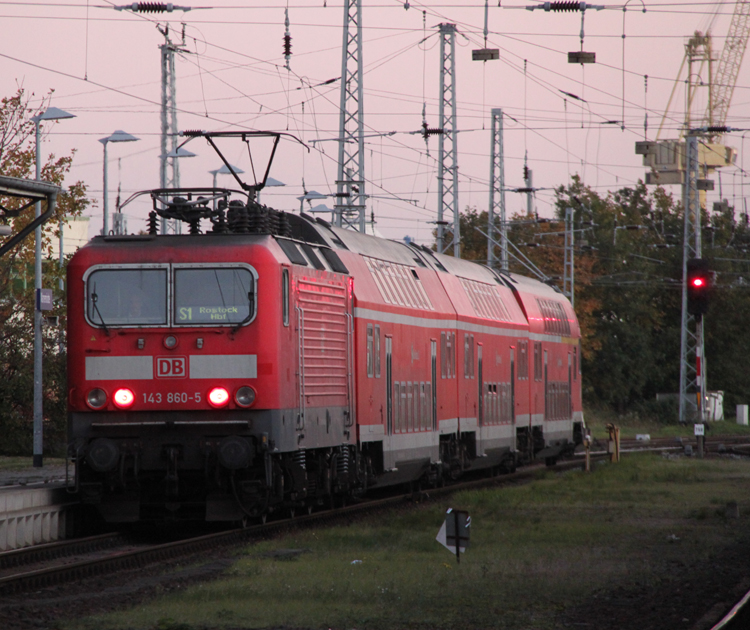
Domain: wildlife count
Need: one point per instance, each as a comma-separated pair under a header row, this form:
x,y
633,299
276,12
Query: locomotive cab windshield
x,y
171,295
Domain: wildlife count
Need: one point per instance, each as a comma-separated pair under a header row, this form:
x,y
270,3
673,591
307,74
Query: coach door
x,y
512,387
433,376
480,386
546,391
570,385
389,384
300,367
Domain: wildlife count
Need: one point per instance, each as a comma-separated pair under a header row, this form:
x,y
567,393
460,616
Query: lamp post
x,y
117,136
52,113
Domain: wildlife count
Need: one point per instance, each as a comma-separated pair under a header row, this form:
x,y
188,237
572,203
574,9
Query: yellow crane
x,y
666,158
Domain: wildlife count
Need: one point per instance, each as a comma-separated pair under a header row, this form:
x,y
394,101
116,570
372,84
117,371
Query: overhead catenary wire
x,y
526,122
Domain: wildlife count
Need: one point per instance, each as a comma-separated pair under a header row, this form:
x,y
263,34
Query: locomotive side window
x,y
224,295
370,362
523,360
468,356
127,297
448,354
537,361
377,351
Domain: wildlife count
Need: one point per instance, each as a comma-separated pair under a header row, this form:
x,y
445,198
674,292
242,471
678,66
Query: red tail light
x,y
123,398
218,396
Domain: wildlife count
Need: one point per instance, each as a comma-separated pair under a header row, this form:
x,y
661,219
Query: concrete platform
x,y
35,506
32,516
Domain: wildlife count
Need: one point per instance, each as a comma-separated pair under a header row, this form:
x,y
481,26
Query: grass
x,y
534,550
25,463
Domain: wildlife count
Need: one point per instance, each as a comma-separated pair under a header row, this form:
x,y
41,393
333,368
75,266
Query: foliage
x,y
628,270
18,159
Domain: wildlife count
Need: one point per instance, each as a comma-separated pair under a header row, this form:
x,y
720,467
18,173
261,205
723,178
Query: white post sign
x,y
454,533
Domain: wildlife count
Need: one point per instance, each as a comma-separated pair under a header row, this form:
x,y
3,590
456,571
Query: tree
x,y
17,159
628,288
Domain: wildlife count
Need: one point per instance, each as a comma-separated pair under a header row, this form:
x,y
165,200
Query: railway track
x,y
57,564
17,558
69,561
712,443
61,562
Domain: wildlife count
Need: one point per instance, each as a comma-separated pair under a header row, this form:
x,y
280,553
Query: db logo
x,y
171,367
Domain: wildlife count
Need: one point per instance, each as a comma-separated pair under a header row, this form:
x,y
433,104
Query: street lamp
x,y
52,113
309,196
321,208
179,152
117,136
270,183
223,170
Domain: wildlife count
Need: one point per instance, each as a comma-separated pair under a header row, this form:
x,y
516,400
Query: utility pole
x,y
496,206
692,363
349,209
448,142
169,170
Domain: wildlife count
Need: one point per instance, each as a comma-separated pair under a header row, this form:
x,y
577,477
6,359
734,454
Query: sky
x,y
564,119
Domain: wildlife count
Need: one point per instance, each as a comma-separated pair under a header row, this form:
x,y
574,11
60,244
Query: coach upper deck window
x,y
127,296
213,295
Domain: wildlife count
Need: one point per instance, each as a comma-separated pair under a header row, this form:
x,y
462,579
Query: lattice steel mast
x,y
497,195
349,209
692,365
448,142
169,169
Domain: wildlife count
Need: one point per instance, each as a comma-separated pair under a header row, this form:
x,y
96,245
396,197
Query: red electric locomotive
x,y
277,362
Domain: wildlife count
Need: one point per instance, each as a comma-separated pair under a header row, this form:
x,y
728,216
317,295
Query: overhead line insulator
x,y
565,7
562,6
151,7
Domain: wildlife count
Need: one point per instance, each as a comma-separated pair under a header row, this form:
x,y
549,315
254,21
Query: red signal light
x,y
218,396
698,282
123,398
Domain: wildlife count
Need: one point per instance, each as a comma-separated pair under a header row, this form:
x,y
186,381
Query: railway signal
x,y
698,286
